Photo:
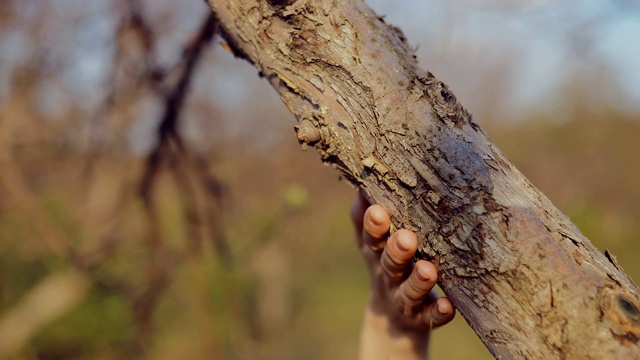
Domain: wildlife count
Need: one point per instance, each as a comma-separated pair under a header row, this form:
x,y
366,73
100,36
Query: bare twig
x,y
169,146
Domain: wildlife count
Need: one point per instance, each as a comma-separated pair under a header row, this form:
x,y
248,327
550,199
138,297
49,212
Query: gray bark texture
x,y
522,275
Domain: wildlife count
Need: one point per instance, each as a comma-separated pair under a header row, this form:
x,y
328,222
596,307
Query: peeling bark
x,y
522,275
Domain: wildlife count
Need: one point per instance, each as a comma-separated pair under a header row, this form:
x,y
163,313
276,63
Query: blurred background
x,y
154,202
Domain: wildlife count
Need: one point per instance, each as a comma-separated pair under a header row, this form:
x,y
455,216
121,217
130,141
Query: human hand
x,y
403,307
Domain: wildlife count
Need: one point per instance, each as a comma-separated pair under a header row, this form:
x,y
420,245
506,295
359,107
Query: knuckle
x,y
417,289
375,247
392,267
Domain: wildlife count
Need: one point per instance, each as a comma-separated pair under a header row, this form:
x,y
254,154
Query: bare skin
x,y
402,308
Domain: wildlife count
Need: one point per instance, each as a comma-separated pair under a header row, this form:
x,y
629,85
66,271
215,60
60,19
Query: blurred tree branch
x,y
133,36
53,296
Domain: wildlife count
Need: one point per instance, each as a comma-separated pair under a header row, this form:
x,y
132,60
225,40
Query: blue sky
x,y
547,40
533,46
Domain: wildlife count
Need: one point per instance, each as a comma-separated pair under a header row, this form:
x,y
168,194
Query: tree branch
x,y
523,276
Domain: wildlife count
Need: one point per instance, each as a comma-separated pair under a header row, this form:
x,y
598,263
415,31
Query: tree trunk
x,y
522,275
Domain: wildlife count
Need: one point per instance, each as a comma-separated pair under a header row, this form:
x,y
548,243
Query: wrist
x,y
384,338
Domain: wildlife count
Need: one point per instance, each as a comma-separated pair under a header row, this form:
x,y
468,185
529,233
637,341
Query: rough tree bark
x,y
522,275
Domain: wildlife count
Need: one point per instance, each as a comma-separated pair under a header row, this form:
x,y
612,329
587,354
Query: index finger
x,y
376,224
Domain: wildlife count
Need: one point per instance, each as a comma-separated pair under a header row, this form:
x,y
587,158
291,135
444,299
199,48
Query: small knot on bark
x,y
628,308
307,132
447,96
622,310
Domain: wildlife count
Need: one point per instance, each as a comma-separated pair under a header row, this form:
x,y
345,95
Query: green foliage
x,y
293,253
296,197
100,324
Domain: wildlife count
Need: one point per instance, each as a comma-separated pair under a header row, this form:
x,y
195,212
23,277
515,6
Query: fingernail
x,y
376,218
401,244
422,274
441,308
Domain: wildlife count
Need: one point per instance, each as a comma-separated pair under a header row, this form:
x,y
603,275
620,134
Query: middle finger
x,y
397,255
